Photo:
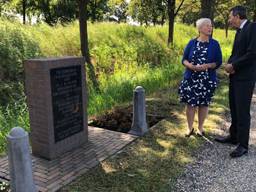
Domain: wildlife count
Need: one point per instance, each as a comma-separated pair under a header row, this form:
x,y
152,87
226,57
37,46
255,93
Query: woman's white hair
x,y
202,21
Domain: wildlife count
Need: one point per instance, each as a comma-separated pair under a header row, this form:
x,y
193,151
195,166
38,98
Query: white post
x,y
20,163
139,124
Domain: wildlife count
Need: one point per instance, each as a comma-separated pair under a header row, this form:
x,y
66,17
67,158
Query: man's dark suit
x,y
241,86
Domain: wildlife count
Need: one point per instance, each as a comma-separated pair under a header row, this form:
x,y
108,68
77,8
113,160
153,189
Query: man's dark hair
x,y
239,10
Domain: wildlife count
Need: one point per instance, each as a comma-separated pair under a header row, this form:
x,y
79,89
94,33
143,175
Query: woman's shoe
x,y
201,134
190,133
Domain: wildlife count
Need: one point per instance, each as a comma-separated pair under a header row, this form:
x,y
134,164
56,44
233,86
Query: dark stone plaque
x,y
66,86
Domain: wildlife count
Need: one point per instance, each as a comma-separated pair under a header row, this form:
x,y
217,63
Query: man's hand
x,y
229,68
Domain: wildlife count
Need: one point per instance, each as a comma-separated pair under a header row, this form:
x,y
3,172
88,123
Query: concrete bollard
x,y
20,163
139,124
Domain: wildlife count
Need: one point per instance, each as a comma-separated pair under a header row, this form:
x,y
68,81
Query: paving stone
x,y
52,175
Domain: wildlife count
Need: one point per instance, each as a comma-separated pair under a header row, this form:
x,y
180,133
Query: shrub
x,y
16,45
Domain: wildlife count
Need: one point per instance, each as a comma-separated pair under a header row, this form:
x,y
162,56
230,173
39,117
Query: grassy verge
x,y
153,162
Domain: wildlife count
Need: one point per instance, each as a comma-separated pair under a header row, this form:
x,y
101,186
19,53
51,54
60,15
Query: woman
x,y
202,56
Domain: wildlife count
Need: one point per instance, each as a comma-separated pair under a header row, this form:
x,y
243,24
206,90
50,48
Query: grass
x,y
153,162
119,87
12,116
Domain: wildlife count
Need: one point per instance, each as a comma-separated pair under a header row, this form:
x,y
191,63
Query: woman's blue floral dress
x,y
199,88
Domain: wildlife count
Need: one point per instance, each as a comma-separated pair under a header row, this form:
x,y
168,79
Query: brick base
x,y
52,175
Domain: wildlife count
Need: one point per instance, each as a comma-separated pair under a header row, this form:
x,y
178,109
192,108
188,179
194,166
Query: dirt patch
x,y
120,119
158,106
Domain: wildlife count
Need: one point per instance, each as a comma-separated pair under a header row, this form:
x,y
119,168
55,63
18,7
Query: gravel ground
x,y
214,171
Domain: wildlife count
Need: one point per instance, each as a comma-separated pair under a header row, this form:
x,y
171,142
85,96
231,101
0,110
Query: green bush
x,y
16,45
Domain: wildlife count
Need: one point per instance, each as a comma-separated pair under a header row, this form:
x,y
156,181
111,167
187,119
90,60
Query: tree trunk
x,y
207,8
24,11
163,19
226,28
178,9
47,12
84,41
94,7
171,10
251,7
254,16
154,21
226,31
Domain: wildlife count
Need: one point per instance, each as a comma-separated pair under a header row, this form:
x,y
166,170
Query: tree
x,y
119,9
223,9
84,41
24,6
159,12
62,11
139,11
148,11
65,11
189,12
17,7
97,9
54,11
251,7
154,11
171,10
207,8
171,15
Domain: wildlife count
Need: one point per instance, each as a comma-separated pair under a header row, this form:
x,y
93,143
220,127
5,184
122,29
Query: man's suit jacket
x,y
243,57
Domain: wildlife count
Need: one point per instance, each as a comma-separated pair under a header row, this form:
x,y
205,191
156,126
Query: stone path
x,y
52,175
215,171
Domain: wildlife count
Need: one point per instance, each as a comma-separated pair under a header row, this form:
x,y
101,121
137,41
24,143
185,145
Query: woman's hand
x,y
205,67
194,67
189,65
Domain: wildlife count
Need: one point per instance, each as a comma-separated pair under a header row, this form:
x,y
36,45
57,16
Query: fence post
x,y
20,163
139,124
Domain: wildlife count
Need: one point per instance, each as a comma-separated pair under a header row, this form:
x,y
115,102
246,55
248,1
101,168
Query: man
x,y
241,67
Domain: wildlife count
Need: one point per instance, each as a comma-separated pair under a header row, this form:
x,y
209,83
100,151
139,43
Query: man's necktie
x,y
237,33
